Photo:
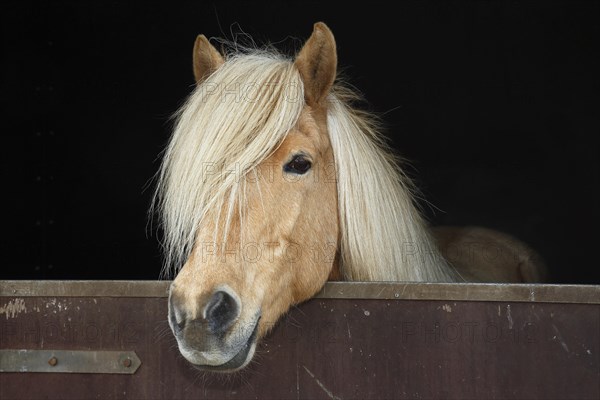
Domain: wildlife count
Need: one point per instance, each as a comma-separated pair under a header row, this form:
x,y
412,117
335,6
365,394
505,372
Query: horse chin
x,y
240,360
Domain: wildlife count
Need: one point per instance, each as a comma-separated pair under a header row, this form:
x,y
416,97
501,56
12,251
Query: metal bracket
x,y
69,361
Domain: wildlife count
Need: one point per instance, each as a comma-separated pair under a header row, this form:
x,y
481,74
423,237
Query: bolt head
x,y
53,361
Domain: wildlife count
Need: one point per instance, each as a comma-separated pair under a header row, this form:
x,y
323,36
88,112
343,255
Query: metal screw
x,y
53,361
396,295
127,362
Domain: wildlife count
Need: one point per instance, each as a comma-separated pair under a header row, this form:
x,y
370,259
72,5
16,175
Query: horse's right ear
x,y
317,64
206,58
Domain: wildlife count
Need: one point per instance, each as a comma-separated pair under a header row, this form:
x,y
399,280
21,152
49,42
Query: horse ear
x,y
317,63
206,59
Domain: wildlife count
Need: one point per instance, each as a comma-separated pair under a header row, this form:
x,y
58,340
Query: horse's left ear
x,y
317,63
206,59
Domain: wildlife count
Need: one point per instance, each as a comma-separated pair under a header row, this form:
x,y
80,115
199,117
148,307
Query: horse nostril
x,y
179,325
221,311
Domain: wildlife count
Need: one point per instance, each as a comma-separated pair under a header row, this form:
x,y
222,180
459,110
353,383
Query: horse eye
x,y
299,165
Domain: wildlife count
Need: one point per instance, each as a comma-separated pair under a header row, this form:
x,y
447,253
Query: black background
x,y
494,104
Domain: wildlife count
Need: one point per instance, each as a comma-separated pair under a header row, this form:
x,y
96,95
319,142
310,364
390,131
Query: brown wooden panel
x,y
326,348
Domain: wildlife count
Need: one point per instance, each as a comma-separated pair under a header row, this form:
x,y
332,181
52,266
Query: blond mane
x,y
229,124
236,118
384,237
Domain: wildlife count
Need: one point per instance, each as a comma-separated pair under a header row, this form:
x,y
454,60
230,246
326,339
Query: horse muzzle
x,y
216,339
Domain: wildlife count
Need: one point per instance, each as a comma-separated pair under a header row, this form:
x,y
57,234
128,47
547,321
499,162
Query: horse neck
x,y
383,236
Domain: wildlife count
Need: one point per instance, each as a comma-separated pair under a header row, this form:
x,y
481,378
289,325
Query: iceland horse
x,y
272,184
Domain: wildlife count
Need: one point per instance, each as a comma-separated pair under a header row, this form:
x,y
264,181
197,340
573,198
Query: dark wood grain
x,y
326,348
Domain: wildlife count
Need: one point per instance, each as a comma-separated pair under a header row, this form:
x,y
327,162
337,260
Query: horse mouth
x,y
240,360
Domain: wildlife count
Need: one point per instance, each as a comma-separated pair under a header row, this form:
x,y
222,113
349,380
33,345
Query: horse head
x,y
249,197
